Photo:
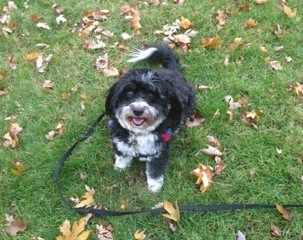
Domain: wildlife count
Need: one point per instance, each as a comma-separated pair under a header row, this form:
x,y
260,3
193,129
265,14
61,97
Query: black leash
x,y
182,208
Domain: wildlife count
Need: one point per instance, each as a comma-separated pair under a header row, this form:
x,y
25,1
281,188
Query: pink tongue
x,y
138,121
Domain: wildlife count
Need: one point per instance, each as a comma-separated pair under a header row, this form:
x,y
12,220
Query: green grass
x,y
254,172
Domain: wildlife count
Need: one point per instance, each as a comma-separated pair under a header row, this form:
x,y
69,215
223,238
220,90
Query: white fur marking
x,y
139,54
154,185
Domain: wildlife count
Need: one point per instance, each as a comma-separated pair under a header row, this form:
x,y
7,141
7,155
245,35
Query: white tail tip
x,y
139,55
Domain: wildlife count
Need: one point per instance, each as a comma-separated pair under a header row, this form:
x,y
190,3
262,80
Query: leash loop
x,y
182,208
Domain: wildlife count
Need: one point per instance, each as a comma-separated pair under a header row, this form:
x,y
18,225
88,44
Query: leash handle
x,y
182,208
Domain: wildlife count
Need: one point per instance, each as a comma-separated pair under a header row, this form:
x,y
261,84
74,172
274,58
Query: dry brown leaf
x,y
104,233
172,211
274,65
274,230
214,141
65,96
211,42
76,232
286,213
94,44
296,88
236,43
181,38
2,93
250,23
111,72
245,7
195,120
102,62
220,165
13,227
11,137
290,13
278,31
204,176
221,17
32,56
35,17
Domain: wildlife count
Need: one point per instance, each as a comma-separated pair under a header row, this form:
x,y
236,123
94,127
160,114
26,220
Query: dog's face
x,y
141,101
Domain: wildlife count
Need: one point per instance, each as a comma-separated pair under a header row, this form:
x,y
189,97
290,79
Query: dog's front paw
x,y
122,163
154,185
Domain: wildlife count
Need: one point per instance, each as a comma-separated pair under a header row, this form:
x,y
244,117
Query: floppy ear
x,y
174,117
110,100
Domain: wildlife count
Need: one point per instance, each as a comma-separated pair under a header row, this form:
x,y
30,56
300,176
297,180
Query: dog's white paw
x,y
154,185
122,163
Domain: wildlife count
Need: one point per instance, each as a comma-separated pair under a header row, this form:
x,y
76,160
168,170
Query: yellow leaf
x,y
185,23
76,233
250,23
19,168
32,56
88,199
173,212
287,10
236,43
211,42
139,235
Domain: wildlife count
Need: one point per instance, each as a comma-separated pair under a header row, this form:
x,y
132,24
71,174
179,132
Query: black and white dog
x,y
146,107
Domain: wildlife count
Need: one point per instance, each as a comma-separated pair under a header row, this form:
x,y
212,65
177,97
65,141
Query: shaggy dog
x,y
146,107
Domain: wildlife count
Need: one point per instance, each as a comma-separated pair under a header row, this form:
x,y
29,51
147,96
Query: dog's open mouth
x,y
138,121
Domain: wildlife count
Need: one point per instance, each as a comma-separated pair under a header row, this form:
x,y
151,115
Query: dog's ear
x,y
174,117
110,100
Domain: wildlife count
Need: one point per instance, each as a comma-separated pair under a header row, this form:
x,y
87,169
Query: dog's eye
x,y
130,94
150,96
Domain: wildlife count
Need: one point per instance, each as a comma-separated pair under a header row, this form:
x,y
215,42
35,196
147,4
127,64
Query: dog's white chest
x,y
142,146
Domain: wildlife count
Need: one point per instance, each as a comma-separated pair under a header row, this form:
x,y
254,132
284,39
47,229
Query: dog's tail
x,y
156,53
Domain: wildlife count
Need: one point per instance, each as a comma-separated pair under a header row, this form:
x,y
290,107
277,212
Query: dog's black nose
x,y
138,111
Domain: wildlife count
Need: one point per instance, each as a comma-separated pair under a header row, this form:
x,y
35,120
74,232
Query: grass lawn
x,y
263,165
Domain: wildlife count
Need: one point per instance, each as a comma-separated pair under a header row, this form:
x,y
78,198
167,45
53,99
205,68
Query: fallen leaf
x,y
211,42
87,198
42,63
274,230
220,165
43,26
203,87
204,176
213,141
260,1
296,88
58,9
245,7
125,36
11,137
185,23
76,232
104,233
221,17
111,72
236,43
35,17
287,10
32,56
211,151
15,227
2,93
94,44
11,62
288,59
61,19
278,31
140,235
102,62
19,168
250,23
286,213
172,211
194,121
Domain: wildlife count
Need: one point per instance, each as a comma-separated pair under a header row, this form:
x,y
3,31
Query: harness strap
x,y
182,208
